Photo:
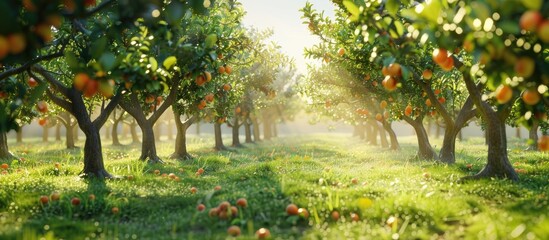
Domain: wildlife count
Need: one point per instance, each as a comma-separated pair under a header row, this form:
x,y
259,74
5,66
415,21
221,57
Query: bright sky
x,y
284,17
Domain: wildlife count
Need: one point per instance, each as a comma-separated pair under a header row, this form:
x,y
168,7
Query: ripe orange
x,y
335,215
44,199
292,209
408,110
208,76
395,70
227,87
440,55
341,52
213,212
383,104
32,82
437,91
234,211
42,122
55,196
228,69
427,74
200,170
223,206
221,70
115,210
234,231
448,65
75,201
209,97
242,202
531,96
379,117
303,213
441,100
200,80
217,188
504,93
17,43
156,172
201,207
42,106
428,102
5,166
525,66
355,217
263,233
4,47
92,197
530,20
193,190
389,83
385,71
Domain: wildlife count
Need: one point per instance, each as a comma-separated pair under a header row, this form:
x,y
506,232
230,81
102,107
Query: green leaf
x,y
108,61
353,9
211,40
406,74
154,63
387,61
532,4
169,62
98,47
72,60
174,12
431,11
399,28
392,7
509,27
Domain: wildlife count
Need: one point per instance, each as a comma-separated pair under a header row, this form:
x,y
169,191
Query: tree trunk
x,y
218,138
392,135
437,132
267,128
4,150
93,153
133,130
517,132
108,132
19,135
425,150
148,144
382,135
361,131
236,133
57,132
373,132
256,133
45,133
198,128
157,131
114,133
498,164
275,129
460,136
533,137
248,130
75,133
69,138
180,151
448,150
169,129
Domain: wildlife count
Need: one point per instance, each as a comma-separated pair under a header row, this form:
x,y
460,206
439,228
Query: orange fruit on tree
x,y
4,47
408,110
441,100
437,91
448,65
395,70
504,93
389,83
227,87
228,69
42,122
5,166
379,117
530,20
385,71
200,80
428,102
221,70
383,104
209,97
208,76
341,52
440,55
531,96
427,74
17,43
525,66
42,106
32,82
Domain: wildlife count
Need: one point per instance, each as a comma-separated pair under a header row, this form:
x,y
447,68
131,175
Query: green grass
x,y
314,172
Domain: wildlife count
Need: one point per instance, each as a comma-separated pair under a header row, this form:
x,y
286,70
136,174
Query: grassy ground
x,y
315,172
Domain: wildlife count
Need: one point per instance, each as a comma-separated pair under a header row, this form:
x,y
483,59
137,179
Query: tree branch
x,y
98,8
56,84
59,101
28,64
100,121
170,99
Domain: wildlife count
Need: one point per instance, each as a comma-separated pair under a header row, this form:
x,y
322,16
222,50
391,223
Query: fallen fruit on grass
x,y
392,221
55,196
469,166
262,233
200,170
303,213
355,217
234,211
242,202
5,166
354,181
75,201
44,199
193,190
92,197
156,171
213,212
115,210
200,207
171,176
335,215
217,188
292,209
234,231
426,175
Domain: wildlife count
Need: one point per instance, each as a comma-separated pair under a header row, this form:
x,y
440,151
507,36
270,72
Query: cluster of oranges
x,y
392,73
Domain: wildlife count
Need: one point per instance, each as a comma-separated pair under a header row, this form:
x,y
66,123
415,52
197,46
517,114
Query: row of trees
x,y
390,60
104,60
